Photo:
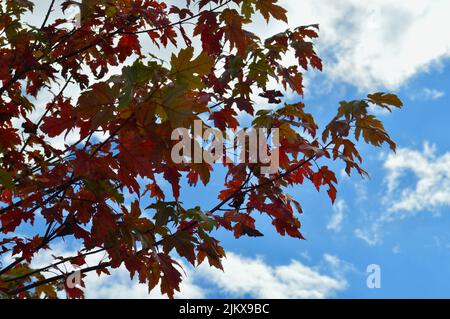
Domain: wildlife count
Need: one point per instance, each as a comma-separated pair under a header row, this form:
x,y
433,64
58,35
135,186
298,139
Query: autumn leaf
x,y
128,44
234,31
373,132
184,68
269,8
6,179
385,99
171,277
87,119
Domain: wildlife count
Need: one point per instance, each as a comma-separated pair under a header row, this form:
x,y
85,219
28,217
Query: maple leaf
x,y
104,224
171,278
325,177
184,244
8,137
184,67
272,96
80,260
225,118
47,290
128,44
269,8
74,292
6,179
211,34
244,104
251,232
125,121
373,131
199,170
385,100
233,30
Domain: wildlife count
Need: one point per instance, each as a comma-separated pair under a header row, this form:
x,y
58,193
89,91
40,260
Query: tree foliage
x,y
136,100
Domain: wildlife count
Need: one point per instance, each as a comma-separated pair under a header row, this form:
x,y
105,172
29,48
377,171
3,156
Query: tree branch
x,y
180,21
244,191
55,278
48,14
36,271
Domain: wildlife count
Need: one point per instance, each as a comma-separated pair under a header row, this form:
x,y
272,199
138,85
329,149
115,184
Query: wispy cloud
x,y
370,235
377,43
427,94
243,277
430,185
367,44
417,181
335,222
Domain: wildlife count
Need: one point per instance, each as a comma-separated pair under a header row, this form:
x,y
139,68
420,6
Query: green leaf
x,y
6,179
247,8
197,214
384,98
355,108
134,75
187,71
165,212
262,119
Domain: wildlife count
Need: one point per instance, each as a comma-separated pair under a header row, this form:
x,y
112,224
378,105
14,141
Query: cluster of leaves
x,y
135,101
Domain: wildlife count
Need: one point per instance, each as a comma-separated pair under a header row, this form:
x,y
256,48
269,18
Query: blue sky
x,y
389,220
412,246
401,227
399,218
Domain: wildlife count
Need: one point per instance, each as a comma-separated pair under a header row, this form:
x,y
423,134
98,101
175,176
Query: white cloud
x,y
379,43
243,277
431,188
370,44
371,235
396,249
417,181
119,286
427,94
335,222
255,278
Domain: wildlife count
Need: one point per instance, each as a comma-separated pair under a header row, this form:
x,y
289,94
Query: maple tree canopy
x,y
127,106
